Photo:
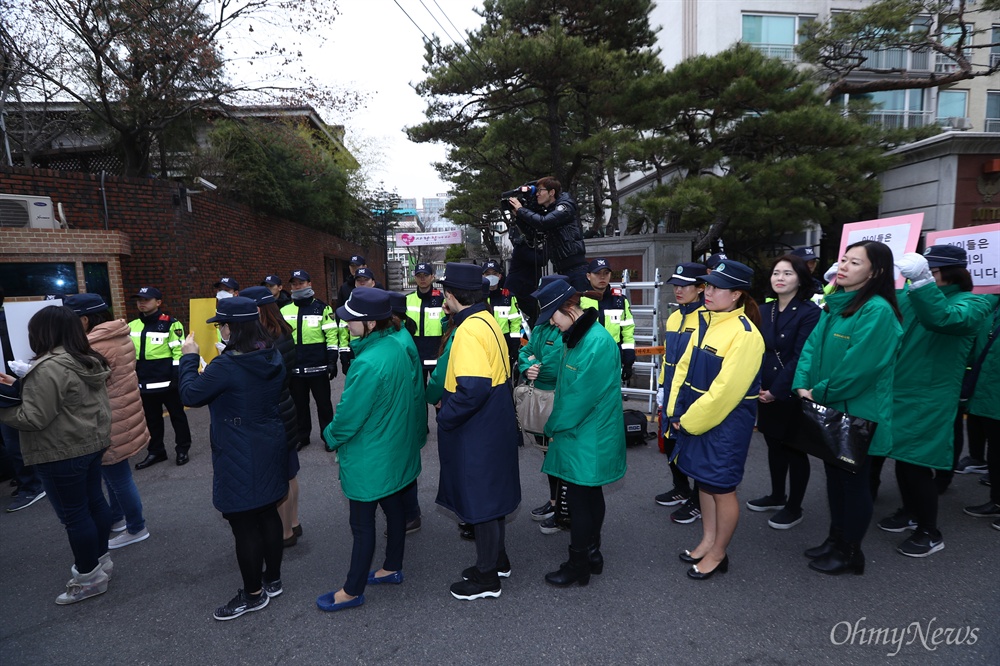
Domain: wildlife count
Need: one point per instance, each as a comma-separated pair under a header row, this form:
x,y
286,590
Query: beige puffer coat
x,y
129,434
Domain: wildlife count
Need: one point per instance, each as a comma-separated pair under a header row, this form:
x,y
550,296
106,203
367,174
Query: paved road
x,y
769,609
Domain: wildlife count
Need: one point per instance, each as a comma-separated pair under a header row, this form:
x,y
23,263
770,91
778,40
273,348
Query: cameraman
x,y
563,236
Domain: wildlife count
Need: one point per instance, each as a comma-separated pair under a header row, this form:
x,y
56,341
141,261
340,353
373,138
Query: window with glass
x,y
992,111
95,276
774,35
895,108
42,279
995,49
950,34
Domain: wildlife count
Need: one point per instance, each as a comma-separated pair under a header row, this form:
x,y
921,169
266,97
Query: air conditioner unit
x,y
18,212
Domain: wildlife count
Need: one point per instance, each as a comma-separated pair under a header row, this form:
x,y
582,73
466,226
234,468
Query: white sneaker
x,y
125,539
107,566
119,526
84,586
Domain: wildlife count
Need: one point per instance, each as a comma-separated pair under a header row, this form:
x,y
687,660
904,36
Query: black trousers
x,y
919,493
362,520
785,461
300,387
990,429
850,499
586,506
258,533
490,542
982,429
680,479
152,406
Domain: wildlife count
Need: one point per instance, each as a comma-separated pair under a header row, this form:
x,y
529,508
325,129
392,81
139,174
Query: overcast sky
x,y
375,48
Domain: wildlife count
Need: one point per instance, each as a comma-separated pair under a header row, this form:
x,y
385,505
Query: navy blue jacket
x,y
249,452
784,335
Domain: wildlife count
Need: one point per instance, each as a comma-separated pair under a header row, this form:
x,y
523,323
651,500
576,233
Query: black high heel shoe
x,y
685,557
705,575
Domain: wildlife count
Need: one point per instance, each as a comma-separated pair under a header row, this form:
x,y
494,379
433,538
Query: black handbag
x,y
833,436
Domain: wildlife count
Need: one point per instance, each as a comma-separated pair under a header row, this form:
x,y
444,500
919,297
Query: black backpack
x,y
635,427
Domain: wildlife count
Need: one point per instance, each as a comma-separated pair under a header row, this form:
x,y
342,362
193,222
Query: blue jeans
x,y
123,496
27,480
73,486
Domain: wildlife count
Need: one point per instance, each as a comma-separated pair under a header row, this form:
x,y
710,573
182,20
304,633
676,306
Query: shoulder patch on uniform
x,y
561,207
164,317
746,323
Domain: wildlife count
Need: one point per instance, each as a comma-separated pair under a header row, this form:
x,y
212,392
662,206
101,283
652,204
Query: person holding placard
x,y
847,363
940,320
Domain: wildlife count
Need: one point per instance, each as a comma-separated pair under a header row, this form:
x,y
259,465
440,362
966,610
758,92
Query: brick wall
x,y
182,253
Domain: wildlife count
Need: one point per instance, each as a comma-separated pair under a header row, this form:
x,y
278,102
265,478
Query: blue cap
x,y
149,292
804,253
397,301
687,274
364,273
358,260
299,274
426,269
551,278
714,260
235,309
84,304
493,265
945,255
550,297
599,265
228,283
366,305
259,295
730,275
271,279
467,277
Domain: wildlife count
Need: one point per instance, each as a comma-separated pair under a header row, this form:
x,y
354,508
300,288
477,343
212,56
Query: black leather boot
x,y
576,570
596,558
846,558
827,547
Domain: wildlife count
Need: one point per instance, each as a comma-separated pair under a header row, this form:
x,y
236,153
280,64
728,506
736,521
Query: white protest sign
x,y
982,245
901,234
18,315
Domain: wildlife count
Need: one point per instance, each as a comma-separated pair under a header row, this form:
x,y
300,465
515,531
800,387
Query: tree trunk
x,y
555,141
704,243
597,185
135,151
613,219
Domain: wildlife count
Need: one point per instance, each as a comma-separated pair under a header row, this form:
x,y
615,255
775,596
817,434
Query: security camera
x,y
204,183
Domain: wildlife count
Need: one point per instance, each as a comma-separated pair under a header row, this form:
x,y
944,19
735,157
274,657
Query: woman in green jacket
x,y
379,456
539,361
847,363
940,320
984,407
586,428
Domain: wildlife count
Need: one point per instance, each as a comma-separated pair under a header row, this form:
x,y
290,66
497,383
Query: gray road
x,y
769,609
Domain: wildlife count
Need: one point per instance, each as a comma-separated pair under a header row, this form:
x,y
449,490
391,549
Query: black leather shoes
x,y
150,460
705,575
685,556
182,459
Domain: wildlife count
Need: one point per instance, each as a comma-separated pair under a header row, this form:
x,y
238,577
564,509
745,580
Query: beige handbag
x,y
534,407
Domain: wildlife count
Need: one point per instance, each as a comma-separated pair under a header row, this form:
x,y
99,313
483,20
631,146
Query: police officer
x,y
227,288
273,283
317,342
504,307
425,307
808,255
157,338
614,312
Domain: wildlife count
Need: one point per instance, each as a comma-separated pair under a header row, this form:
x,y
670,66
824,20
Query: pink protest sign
x,y
901,234
982,246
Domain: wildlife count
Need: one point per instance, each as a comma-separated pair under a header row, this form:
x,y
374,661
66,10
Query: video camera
x,y
518,234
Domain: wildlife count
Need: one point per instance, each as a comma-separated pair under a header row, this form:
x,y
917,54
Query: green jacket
x,y
419,409
375,407
985,400
586,427
545,346
435,383
849,362
64,412
939,325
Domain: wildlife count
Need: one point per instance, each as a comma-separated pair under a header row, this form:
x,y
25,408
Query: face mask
x,y
299,294
494,280
223,294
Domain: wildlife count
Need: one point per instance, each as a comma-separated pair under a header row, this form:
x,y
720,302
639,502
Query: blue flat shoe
x,y
394,578
326,603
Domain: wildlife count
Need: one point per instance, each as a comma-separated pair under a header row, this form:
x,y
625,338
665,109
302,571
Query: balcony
x,y
992,125
945,65
900,119
897,59
784,52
